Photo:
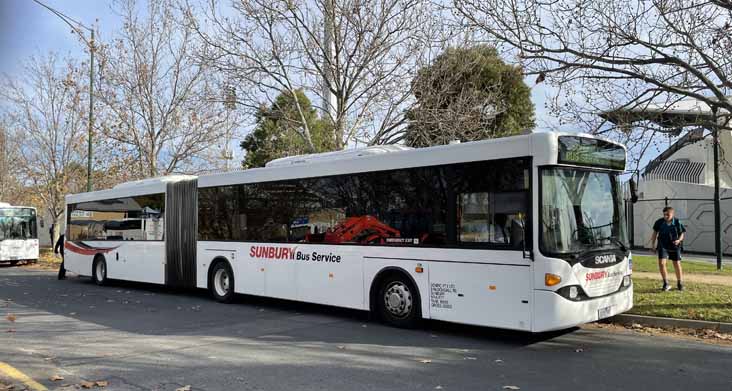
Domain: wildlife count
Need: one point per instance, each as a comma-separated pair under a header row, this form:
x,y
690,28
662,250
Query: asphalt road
x,y
143,337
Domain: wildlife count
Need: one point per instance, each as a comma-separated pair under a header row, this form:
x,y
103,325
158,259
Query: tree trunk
x,y
338,133
58,225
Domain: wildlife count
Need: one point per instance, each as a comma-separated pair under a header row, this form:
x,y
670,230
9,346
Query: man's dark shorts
x,y
672,254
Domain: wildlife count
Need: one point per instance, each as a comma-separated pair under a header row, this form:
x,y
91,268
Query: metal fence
x,y
696,214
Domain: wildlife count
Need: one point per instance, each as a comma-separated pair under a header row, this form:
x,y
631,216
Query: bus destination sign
x,y
584,151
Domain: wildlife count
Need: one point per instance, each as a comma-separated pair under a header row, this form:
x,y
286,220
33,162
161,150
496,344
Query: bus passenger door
x,y
181,228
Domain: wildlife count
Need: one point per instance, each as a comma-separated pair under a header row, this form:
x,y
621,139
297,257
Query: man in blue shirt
x,y
670,233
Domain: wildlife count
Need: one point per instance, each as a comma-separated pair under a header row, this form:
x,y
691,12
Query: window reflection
x,y
483,203
130,218
18,223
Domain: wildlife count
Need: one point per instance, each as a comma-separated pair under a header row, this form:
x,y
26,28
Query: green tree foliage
x,y
468,94
280,128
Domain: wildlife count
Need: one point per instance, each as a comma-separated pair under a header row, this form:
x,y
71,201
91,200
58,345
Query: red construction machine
x,y
363,229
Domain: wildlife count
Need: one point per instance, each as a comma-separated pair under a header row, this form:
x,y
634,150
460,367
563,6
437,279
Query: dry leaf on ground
x,y
56,378
11,318
425,361
101,383
184,388
511,388
86,384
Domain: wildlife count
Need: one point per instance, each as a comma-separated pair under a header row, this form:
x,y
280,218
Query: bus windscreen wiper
x,y
616,241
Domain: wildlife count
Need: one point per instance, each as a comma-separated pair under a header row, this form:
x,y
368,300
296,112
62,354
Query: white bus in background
x,y
18,234
524,232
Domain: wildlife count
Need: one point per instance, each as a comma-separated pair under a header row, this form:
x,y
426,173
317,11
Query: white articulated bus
x,y
524,232
18,234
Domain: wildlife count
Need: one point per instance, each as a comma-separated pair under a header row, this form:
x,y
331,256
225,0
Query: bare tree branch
x,y
612,53
160,103
270,46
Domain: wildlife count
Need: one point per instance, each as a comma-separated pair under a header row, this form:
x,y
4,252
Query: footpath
x,y
697,278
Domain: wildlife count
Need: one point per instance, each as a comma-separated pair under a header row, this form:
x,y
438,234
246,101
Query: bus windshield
x,y
18,223
581,211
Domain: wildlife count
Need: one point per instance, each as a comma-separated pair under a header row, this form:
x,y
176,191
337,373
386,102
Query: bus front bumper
x,y
554,312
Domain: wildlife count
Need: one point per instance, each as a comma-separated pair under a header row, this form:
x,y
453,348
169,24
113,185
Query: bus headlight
x,y
572,292
626,280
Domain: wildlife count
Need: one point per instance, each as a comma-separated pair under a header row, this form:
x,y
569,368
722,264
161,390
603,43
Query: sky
x,y
27,29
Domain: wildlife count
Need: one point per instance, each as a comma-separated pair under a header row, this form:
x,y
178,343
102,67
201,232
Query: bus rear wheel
x,y
398,302
221,282
99,271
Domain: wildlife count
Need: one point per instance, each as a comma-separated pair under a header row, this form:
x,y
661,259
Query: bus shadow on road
x,y
159,310
9,264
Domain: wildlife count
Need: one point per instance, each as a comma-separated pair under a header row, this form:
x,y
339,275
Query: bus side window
x,y
474,217
497,218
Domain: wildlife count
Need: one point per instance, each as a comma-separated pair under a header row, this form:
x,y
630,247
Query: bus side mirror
x,y
633,190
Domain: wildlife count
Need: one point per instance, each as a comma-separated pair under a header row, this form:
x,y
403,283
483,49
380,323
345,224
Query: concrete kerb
x,y
655,321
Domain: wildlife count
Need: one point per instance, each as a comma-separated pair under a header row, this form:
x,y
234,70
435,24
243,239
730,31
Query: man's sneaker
x,y
680,286
665,287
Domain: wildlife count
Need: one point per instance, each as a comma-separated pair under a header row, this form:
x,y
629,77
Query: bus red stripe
x,y
87,250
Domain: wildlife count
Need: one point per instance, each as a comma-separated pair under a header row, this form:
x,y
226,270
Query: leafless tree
x,y
354,58
605,54
160,105
46,114
8,162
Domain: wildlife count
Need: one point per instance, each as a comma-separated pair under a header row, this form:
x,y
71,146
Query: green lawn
x,y
697,301
646,263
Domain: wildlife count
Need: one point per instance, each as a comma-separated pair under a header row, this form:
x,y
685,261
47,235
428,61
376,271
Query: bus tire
x,y
221,282
397,301
13,263
99,270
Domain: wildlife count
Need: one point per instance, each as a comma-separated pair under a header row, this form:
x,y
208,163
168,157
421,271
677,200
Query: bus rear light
x,y
551,279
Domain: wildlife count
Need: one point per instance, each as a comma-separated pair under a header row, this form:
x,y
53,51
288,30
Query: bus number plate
x,y
604,312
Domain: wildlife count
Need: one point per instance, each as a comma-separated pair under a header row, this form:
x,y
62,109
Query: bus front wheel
x,y
221,282
398,301
99,270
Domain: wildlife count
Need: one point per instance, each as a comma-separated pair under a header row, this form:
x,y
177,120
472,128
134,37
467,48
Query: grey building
x,y
684,174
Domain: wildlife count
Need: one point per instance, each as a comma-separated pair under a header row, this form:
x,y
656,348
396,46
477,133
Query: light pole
x,y
90,43
717,214
687,112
